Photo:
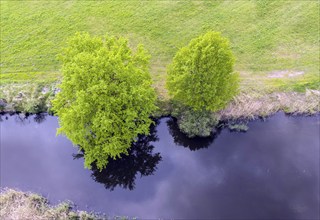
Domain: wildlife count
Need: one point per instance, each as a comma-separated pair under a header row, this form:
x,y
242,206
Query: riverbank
x,y
255,104
16,204
36,98
27,97
26,205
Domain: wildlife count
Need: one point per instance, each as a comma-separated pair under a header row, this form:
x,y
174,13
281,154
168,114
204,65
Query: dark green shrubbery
x,y
33,98
197,123
34,104
194,123
239,127
3,104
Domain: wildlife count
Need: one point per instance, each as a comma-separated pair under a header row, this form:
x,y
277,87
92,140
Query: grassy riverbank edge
x,y
16,204
32,98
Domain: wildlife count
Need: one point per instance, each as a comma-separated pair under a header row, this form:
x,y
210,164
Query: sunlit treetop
x,y
201,75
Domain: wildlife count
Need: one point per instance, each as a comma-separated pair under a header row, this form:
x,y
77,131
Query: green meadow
x,y
276,43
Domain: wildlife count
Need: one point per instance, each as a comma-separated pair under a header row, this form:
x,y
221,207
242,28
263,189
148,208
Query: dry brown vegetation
x,y
251,105
17,205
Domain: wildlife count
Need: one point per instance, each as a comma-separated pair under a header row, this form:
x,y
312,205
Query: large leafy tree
x,y
106,96
201,75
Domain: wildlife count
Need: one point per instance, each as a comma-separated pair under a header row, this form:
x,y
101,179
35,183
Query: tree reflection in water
x,y
123,171
40,117
193,144
25,118
22,118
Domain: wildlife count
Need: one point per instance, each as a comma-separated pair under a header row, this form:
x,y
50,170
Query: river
x,y
269,172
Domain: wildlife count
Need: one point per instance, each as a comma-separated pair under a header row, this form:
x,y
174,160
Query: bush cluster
x,y
197,123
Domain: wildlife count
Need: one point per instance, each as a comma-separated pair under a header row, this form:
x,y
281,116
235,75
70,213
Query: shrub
x,y
197,123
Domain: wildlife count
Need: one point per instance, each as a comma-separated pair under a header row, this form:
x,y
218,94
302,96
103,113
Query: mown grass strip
x,y
265,35
32,77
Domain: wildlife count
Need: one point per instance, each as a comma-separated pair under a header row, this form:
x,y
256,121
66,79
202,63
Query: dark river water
x,y
269,172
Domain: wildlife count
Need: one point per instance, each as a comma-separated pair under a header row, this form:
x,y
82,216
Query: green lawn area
x,y
267,37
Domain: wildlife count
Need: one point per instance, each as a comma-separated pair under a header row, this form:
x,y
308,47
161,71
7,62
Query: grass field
x,y
276,43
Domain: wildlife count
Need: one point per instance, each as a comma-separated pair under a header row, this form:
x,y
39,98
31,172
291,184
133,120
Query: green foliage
x,y
201,75
106,96
238,127
194,123
197,123
2,107
26,97
36,103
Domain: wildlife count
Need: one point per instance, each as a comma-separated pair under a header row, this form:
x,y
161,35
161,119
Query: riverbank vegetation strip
x,y
21,205
275,42
15,204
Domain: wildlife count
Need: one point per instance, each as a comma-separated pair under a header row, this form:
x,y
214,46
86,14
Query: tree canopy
x,y
106,96
201,75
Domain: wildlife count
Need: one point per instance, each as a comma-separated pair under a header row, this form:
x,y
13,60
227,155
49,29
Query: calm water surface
x,y
269,172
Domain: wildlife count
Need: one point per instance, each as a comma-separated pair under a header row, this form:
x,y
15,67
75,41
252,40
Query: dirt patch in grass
x,y
285,73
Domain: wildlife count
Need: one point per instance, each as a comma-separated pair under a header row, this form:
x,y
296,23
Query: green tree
x,y
106,96
201,75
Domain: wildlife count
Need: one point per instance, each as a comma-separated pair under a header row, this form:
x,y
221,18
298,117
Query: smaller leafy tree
x,y
106,96
201,75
